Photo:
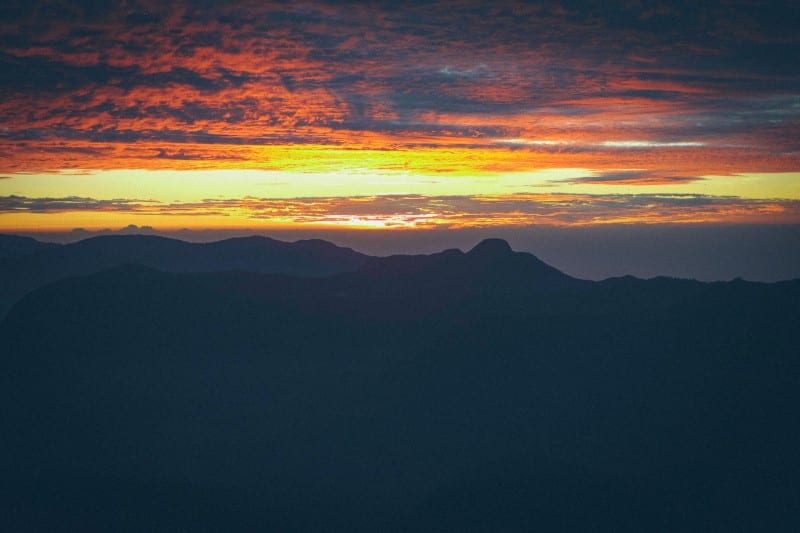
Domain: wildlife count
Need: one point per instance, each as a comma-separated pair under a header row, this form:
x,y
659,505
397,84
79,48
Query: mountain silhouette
x,y
491,258
491,269
477,391
253,254
13,246
407,287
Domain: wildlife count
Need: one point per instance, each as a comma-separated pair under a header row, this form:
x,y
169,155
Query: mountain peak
x,y
491,247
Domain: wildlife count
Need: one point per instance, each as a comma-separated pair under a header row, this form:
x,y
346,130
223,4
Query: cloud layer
x,y
644,95
420,211
670,86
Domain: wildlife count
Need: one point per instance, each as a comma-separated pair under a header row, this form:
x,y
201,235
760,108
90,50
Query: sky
x,y
283,116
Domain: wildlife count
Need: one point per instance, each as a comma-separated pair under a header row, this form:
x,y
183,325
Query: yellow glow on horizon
x,y
168,186
192,186
376,199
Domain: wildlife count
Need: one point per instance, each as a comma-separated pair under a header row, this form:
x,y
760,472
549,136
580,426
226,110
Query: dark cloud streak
x,y
441,211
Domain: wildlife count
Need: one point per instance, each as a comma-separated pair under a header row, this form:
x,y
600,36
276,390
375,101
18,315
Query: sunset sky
x,y
250,114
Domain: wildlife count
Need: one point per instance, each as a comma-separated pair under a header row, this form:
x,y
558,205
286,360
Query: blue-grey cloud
x,y
632,177
17,204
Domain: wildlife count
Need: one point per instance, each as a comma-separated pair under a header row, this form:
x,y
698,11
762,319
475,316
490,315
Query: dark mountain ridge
x,y
406,286
256,254
491,259
478,391
44,264
13,246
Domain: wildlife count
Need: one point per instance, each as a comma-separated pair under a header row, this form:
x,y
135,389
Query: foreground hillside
x,y
479,391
